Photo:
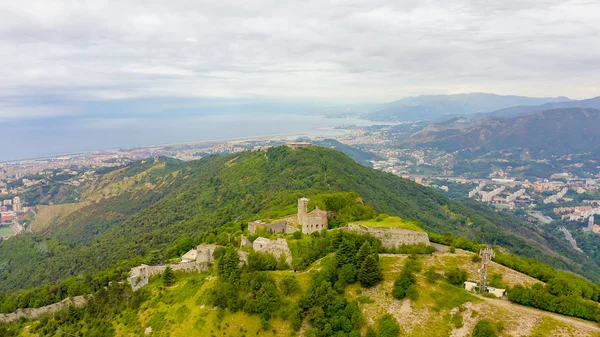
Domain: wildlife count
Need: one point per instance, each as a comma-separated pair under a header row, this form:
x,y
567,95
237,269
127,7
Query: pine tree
x,y
364,251
345,253
370,273
167,277
335,240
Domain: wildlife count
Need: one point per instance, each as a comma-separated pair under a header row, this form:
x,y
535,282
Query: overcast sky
x,y
56,53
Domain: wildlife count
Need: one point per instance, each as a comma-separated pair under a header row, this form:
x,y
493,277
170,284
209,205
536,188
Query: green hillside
x,y
326,300
136,214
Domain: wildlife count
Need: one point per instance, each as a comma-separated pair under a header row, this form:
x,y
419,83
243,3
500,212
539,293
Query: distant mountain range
x,y
514,111
431,107
551,132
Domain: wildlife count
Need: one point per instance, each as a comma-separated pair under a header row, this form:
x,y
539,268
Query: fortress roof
x,y
317,211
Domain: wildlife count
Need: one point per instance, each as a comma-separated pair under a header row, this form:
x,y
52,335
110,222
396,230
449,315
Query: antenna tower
x,y
486,256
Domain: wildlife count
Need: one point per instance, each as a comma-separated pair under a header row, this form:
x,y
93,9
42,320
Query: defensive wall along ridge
x,y
30,313
391,237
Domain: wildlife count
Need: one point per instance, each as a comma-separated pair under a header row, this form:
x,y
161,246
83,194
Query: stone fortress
x,y
200,258
314,221
280,227
197,259
275,247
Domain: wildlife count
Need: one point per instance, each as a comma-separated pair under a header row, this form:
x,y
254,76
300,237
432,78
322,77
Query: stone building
x,y
311,222
298,145
275,247
280,227
197,259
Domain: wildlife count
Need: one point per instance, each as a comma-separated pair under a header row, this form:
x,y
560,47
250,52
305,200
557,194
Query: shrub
x,y
457,320
431,275
402,283
388,326
289,285
413,265
484,328
412,292
456,276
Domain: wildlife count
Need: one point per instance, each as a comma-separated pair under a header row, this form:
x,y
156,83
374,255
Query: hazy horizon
x,y
63,57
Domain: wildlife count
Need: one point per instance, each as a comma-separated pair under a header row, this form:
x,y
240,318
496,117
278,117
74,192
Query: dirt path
x,y
516,307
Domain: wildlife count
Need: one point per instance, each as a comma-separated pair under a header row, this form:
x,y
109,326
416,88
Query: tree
x,y
484,328
402,283
456,276
289,285
347,274
228,265
370,272
345,253
167,277
364,251
388,326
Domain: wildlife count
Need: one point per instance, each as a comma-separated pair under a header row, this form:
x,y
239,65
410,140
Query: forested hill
x,y
136,214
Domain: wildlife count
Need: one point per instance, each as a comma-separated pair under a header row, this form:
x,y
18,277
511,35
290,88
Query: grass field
x,y
391,221
5,231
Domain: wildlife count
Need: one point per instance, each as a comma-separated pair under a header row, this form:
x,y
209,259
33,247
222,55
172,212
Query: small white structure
x,y
474,287
190,256
496,291
470,286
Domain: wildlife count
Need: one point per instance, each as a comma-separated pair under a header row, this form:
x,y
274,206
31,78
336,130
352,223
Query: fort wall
x,y
391,237
32,313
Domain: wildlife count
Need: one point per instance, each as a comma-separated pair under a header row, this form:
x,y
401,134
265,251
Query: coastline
x,y
276,136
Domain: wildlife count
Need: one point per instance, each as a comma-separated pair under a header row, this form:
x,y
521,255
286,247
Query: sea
x,y
77,135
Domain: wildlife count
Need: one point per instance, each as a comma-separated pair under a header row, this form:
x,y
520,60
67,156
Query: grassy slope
x,y
392,221
142,209
179,310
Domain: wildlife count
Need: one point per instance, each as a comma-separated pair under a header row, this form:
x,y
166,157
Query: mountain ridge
x,y
437,106
515,111
549,132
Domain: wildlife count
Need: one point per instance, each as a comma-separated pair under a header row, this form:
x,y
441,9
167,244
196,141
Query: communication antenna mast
x,y
486,256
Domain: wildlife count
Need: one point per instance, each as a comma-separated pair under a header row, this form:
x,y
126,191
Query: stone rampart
x,y
32,313
140,276
392,237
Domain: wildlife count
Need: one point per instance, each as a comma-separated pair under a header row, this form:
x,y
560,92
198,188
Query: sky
x,y
90,57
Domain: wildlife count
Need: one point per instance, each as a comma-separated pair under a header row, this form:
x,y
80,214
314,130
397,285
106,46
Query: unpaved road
x,y
516,307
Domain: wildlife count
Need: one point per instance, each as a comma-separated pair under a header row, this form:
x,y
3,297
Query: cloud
x,y
329,51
